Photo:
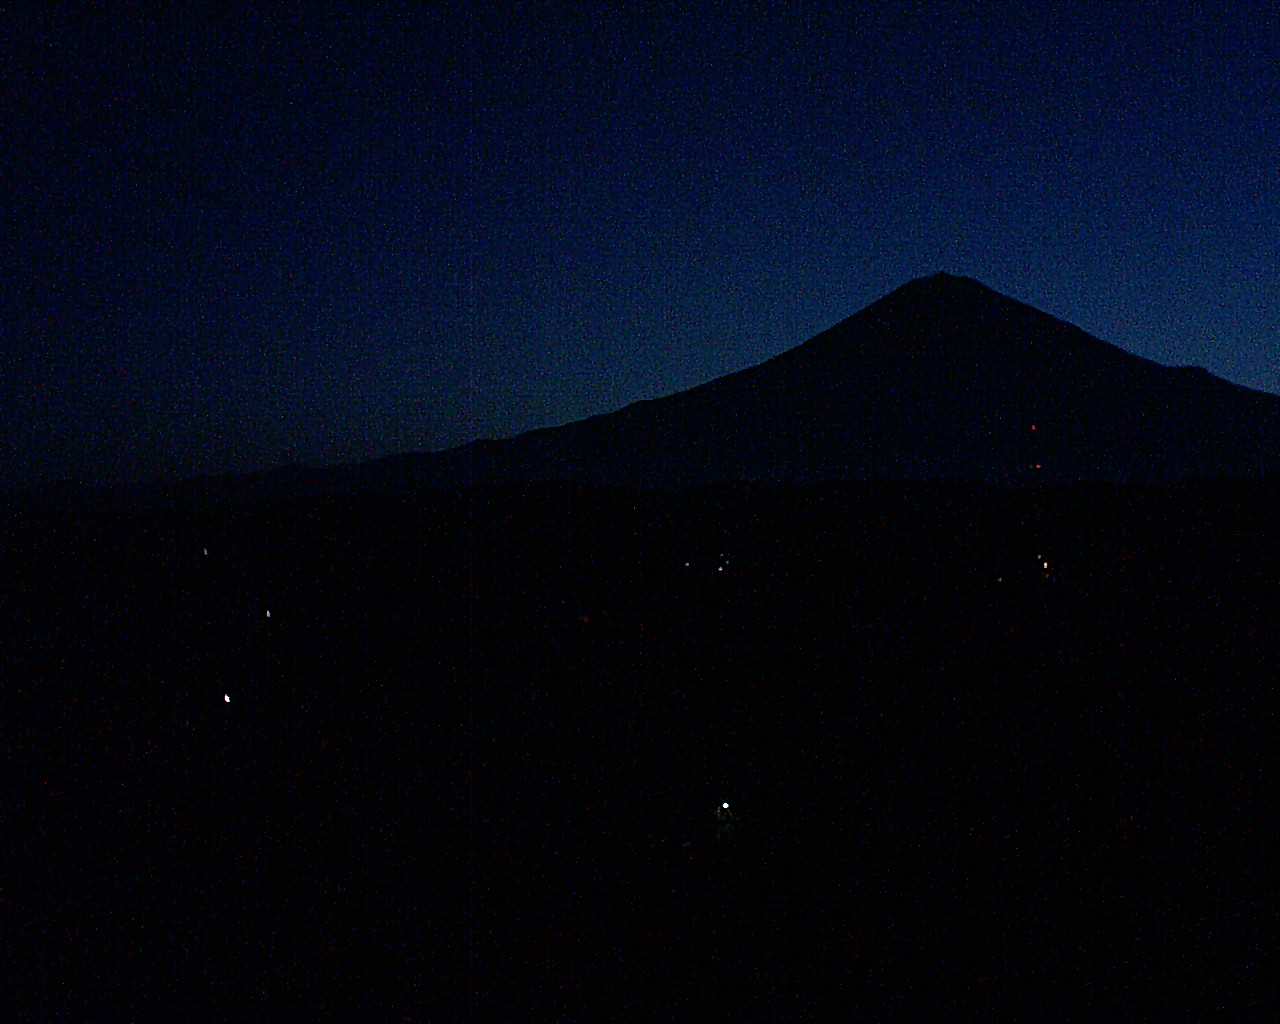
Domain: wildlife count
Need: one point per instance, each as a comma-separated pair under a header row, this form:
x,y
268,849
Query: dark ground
x,y
472,762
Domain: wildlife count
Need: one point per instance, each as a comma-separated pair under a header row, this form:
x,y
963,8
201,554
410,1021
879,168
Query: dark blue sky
x,y
313,237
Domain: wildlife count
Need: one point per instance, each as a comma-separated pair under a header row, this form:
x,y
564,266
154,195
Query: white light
x,y
226,698
725,805
268,613
1046,565
206,552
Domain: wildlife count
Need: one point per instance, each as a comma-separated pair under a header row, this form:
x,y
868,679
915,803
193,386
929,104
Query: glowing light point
x,y
206,552
226,698
724,806
1045,564
268,613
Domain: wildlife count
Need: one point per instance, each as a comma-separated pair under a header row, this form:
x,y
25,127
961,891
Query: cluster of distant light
x,y
722,563
226,697
1042,563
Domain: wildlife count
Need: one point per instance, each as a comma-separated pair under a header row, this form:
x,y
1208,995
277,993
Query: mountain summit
x,y
941,379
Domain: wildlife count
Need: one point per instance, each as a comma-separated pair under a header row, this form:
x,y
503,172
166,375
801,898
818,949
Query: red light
x,y
1033,428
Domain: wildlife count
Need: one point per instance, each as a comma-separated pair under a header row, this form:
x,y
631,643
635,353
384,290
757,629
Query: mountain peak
x,y
944,282
954,299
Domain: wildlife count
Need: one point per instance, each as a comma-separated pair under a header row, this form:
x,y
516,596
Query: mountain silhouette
x,y
941,379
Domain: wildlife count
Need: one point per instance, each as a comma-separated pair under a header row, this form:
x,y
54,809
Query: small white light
x,y
268,613
725,805
226,698
206,552
1046,565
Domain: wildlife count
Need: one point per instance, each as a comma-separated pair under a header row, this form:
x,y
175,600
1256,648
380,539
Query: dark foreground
x,y
474,762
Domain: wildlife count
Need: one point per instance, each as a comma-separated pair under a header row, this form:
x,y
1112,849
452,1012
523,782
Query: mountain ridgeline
x,y
942,379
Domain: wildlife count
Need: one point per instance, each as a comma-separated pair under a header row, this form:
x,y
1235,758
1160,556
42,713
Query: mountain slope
x,y
941,379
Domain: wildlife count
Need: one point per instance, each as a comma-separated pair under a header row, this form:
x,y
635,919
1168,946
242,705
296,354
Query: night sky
x,y
310,237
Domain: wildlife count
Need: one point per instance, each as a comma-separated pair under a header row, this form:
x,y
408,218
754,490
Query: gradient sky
x,y
236,243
